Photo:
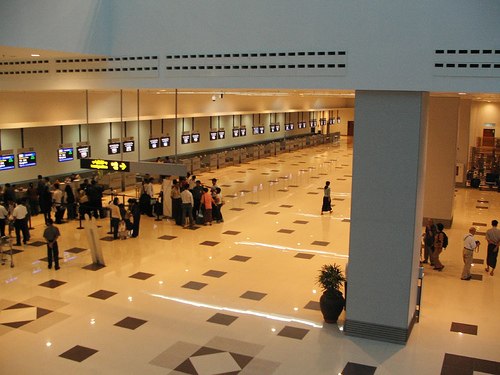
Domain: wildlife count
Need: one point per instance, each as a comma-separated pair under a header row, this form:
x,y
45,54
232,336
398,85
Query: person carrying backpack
x,y
440,243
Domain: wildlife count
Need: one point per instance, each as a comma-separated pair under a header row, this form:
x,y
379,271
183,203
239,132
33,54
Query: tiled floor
x,y
239,297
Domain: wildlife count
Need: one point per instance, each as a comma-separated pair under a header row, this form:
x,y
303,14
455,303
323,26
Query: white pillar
x,y
386,214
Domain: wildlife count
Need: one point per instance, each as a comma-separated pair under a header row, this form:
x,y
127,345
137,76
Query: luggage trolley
x,y
6,242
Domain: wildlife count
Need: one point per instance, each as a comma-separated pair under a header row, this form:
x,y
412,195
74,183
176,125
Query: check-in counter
x,y
243,155
130,180
221,159
196,164
212,164
236,156
261,149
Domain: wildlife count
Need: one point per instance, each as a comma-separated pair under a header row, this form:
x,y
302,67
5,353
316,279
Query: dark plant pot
x,y
331,304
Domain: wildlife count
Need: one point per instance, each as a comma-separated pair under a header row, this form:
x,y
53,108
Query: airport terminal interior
x,y
240,297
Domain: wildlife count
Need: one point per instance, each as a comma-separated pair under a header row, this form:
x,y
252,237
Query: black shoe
x,y
50,266
425,262
57,267
17,244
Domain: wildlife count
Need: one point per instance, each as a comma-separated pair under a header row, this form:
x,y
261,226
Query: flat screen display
x,y
186,138
261,129
301,125
165,141
312,123
322,121
6,162
331,121
83,152
113,148
213,135
255,130
195,137
154,143
289,126
128,146
272,128
236,132
65,154
243,132
222,134
26,159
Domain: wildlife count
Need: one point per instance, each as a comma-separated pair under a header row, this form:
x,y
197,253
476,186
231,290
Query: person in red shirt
x,y
206,202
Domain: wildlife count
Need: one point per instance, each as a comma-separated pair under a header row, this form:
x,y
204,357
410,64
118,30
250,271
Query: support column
x,y
441,157
386,214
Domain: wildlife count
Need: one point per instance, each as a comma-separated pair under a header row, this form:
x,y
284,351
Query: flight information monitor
x,y
83,152
26,159
195,137
113,148
165,141
65,154
154,143
6,162
128,146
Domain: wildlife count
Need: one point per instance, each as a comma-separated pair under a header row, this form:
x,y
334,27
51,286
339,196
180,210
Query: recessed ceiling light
x,y
462,93
35,55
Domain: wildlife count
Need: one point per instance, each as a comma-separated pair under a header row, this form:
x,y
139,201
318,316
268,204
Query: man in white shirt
x,y
187,206
58,201
470,244
493,238
20,215
4,214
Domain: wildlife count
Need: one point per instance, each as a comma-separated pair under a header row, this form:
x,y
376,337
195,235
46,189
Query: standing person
x,y
327,200
493,238
9,194
149,190
4,214
187,207
32,196
197,193
175,194
115,215
20,215
136,216
58,200
192,183
470,244
166,188
438,247
214,185
51,234
207,201
70,201
217,208
45,201
430,232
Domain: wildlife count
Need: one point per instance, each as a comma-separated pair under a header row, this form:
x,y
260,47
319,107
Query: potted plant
x,y
332,301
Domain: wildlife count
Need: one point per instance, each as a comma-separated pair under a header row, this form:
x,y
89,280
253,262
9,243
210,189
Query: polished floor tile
x,y
273,258
78,353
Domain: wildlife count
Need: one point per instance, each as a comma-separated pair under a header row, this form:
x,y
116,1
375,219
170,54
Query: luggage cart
x,y
6,242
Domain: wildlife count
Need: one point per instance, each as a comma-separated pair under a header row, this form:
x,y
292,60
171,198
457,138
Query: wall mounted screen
x,y
26,159
185,139
261,129
83,152
113,148
222,134
154,143
165,141
236,132
65,154
213,135
128,146
255,130
7,162
195,137
243,132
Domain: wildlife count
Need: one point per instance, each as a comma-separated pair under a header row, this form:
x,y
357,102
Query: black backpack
x,y
445,240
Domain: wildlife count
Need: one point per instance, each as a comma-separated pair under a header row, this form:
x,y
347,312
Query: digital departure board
x,y
213,135
186,138
128,146
255,130
65,154
83,152
236,132
222,134
165,141
7,162
195,137
289,126
261,129
243,132
154,143
26,159
322,121
312,123
113,148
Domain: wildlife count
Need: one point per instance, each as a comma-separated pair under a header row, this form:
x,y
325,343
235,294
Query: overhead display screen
x,y
289,126
255,130
154,143
261,129
186,138
65,154
113,148
312,123
331,121
6,162
26,159
301,125
213,135
128,146
272,128
236,132
195,137
83,152
165,141
222,134
243,132
322,121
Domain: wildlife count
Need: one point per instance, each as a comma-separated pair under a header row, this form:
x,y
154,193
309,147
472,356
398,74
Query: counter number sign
x,y
105,165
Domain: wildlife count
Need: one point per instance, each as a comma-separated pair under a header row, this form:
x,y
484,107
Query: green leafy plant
x,y
330,278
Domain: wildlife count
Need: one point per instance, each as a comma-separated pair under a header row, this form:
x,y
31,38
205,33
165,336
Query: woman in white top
x,y
327,200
